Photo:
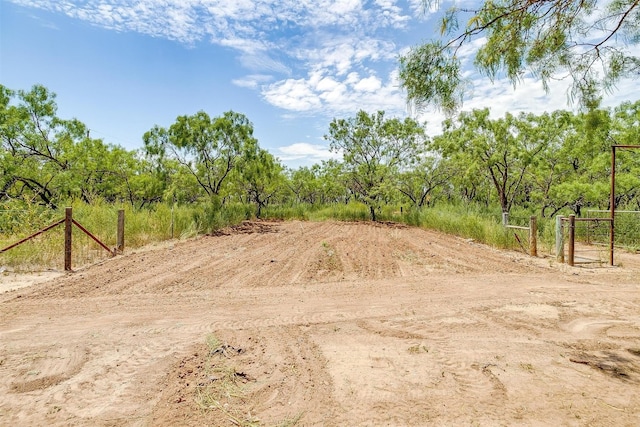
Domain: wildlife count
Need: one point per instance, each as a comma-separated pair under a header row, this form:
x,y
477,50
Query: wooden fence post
x,y
559,239
572,240
120,234
533,236
505,218
68,228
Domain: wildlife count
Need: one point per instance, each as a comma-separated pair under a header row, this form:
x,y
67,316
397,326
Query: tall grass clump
x,y
210,217
22,215
296,211
153,224
19,219
165,221
468,221
44,251
142,226
477,222
352,211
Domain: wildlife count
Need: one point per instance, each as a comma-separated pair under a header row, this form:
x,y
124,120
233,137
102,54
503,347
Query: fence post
x,y
68,224
505,218
533,236
559,239
120,233
572,239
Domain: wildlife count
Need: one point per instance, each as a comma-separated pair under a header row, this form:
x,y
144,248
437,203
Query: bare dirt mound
x,y
300,323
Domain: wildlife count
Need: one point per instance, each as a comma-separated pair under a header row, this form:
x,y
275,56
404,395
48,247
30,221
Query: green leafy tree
x,y
587,41
49,158
556,161
97,171
305,184
588,153
503,150
34,143
419,183
141,184
261,178
375,149
322,183
334,182
207,148
182,186
625,130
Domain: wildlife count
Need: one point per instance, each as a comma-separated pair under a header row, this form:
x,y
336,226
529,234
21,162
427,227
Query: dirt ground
x,y
324,324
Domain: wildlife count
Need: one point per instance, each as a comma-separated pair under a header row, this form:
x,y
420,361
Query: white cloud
x,y
324,94
392,13
342,54
244,45
292,94
335,12
321,57
369,84
302,150
188,21
252,81
335,95
316,50
328,84
529,96
262,62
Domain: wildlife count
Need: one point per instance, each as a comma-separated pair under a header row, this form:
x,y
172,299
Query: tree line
x,y
546,163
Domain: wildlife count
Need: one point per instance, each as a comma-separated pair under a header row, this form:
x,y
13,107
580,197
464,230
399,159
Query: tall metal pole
x,y
572,240
612,203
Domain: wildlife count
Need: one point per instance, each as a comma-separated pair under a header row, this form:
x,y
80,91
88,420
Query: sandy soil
x,y
10,281
324,324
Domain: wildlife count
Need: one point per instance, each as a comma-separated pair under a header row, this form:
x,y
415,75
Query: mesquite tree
x,y
591,42
207,148
375,149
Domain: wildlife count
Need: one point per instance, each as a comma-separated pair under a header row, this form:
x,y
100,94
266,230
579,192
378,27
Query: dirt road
x,y
330,324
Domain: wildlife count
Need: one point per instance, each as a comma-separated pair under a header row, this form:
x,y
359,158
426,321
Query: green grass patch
x,y
353,211
157,223
164,221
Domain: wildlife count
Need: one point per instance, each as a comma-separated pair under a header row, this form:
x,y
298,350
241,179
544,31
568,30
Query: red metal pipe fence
x,y
568,225
69,222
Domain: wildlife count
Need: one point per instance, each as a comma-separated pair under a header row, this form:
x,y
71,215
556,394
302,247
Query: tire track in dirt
x,y
42,369
449,373
69,383
339,323
284,378
537,331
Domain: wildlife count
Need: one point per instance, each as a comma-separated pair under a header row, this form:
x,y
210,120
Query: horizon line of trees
x,y
546,163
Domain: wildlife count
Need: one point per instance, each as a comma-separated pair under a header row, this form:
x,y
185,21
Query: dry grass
x,y
227,389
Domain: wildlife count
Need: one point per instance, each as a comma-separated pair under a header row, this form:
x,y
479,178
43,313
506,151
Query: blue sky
x,y
122,66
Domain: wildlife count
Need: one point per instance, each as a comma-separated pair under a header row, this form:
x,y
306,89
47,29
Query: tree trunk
x,y
372,210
